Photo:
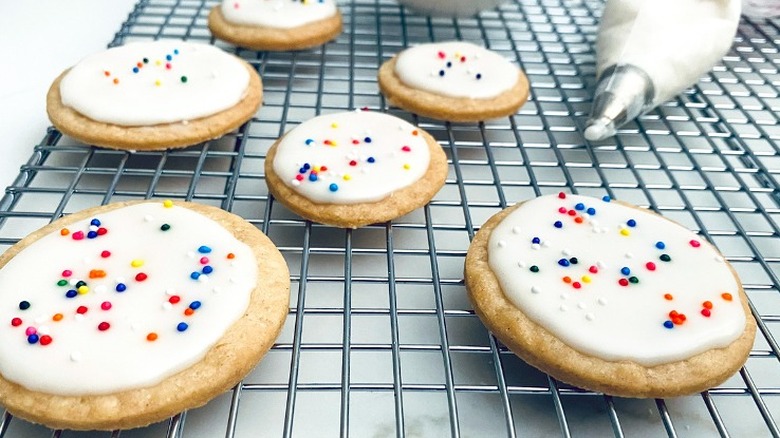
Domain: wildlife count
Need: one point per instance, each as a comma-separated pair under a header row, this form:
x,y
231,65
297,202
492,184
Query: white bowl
x,y
450,8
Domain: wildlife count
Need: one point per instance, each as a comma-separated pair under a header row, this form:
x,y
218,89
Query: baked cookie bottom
x,y
397,204
153,137
454,109
274,39
224,365
540,348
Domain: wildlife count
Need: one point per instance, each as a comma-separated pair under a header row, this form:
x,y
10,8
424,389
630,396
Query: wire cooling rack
x,y
381,340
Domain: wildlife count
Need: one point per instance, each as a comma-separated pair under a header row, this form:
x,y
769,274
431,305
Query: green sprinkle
x,y
62,282
165,227
633,280
534,268
184,79
665,258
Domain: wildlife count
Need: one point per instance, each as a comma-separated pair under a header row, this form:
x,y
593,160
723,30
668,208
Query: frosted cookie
x,y
355,168
154,95
609,297
123,315
453,81
276,24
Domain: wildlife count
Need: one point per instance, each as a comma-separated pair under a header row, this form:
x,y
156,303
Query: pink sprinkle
x,y
562,210
105,254
650,266
78,235
695,243
299,177
406,149
236,5
442,55
67,273
168,65
30,331
204,260
105,305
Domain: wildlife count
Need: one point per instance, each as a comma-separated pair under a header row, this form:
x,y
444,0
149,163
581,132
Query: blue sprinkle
x,y
441,72
563,262
631,223
309,141
182,326
591,211
625,271
195,275
660,245
121,287
168,57
669,324
536,240
32,339
367,139
449,64
175,51
580,206
479,75
135,70
95,222
207,269
91,234
312,177
195,305
558,224
606,198
371,159
333,187
306,166
71,293
204,249
301,170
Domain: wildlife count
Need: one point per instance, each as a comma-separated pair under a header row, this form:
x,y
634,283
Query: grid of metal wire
x,y
381,340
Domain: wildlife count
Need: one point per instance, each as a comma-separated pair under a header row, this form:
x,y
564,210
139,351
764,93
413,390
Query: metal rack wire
x,y
381,340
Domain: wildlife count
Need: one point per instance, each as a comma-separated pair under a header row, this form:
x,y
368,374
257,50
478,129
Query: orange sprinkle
x,y
97,273
151,337
64,232
415,132
726,296
188,311
107,73
578,219
57,317
668,297
231,255
140,65
707,304
567,279
116,80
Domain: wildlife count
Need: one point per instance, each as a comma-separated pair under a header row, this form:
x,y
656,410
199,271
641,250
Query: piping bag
x,y
648,51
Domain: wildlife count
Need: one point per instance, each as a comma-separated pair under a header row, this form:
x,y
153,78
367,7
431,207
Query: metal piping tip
x,y
622,93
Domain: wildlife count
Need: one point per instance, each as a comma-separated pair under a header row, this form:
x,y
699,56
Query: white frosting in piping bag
x,y
280,14
351,157
674,41
108,338
152,83
613,282
456,69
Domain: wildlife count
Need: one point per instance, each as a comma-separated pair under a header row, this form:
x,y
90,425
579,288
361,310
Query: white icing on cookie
x,y
456,69
151,83
622,307
351,157
99,340
280,14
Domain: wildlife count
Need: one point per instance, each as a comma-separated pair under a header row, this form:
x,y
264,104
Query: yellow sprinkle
x,y
334,125
316,168
158,62
346,177
167,203
407,166
585,279
82,290
625,232
137,263
157,82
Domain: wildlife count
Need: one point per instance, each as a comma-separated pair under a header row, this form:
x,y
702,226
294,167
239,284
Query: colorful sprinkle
x,y
141,276
182,326
726,296
650,266
103,326
534,268
24,305
165,227
167,203
151,337
668,297
660,245
665,258
121,287
695,243
204,249
16,322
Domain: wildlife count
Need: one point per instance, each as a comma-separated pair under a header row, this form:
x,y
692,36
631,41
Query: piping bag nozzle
x,y
623,92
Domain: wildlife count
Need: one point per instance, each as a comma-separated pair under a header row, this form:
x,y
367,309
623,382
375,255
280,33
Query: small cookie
x,y
154,95
276,25
454,81
355,168
123,315
609,297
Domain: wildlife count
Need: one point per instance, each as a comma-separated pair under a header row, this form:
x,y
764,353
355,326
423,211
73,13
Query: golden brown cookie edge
x,y
541,349
243,345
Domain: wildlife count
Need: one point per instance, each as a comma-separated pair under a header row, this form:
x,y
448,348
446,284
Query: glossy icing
x,y
150,83
280,14
607,283
140,281
456,69
351,157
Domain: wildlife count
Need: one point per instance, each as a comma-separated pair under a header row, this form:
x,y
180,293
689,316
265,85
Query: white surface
x,y
39,39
